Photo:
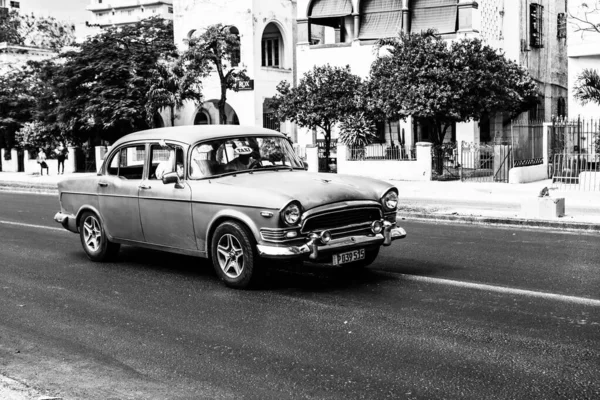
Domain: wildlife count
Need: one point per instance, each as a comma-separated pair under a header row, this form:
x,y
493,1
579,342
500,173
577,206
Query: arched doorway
x,y
202,118
208,114
157,121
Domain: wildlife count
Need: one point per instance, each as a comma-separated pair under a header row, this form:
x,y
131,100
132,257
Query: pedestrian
x,y
61,156
41,159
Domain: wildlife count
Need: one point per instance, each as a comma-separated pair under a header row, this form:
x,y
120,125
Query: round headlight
x,y
291,214
325,237
376,227
390,200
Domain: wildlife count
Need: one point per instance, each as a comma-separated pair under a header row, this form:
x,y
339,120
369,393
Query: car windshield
x,y
242,154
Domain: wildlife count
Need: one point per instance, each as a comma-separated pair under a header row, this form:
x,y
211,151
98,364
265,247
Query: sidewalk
x,y
495,203
468,202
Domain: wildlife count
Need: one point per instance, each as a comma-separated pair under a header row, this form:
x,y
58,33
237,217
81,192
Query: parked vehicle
x,y
236,195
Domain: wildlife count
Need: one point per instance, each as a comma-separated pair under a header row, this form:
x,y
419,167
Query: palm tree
x,y
587,87
172,86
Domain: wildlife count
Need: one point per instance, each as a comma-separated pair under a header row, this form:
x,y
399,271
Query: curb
x,y
502,221
17,187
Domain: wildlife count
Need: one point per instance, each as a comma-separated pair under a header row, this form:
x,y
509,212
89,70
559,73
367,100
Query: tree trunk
x,y
172,116
327,146
221,105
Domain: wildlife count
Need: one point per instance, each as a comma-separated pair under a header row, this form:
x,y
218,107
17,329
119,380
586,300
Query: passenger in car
x,y
243,161
165,166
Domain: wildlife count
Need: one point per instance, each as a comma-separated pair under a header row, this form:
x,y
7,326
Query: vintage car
x,y
237,195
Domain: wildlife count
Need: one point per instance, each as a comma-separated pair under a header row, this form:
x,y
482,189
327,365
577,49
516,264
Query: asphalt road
x,y
453,311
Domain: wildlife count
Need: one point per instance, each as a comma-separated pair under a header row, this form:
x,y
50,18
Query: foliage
x,y
423,76
17,99
587,87
34,135
217,49
357,130
31,30
171,85
324,97
102,87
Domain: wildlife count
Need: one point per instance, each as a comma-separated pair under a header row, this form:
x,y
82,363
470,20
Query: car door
x,y
118,192
166,209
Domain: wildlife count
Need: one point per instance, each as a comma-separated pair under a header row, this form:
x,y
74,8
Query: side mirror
x,y
172,177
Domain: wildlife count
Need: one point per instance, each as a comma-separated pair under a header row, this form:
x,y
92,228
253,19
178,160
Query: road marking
x,y
33,226
500,289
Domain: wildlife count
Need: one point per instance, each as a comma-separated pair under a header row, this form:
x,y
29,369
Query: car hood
x,y
309,188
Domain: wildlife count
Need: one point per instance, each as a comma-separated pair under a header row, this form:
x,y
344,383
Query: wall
x,y
251,19
413,170
583,52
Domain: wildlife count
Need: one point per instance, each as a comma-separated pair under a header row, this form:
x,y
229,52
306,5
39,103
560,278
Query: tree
x,y
103,85
217,49
10,29
172,84
423,76
17,100
31,30
587,87
586,18
324,97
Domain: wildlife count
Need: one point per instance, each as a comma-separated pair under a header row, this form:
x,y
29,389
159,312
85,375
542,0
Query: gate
x,y
485,162
575,155
323,167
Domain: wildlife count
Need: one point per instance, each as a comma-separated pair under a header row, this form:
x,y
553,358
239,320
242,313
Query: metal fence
x,y
380,151
270,121
485,162
323,167
575,154
527,141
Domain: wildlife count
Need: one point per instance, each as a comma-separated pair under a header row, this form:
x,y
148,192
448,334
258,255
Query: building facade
x,y
267,51
343,32
121,12
583,52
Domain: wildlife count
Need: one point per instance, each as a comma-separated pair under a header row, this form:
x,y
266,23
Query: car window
x,y
128,162
221,156
165,159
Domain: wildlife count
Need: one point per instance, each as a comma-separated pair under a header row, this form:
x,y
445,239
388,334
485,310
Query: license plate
x,y
348,257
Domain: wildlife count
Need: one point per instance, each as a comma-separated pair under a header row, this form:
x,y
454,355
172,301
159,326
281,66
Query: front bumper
x,y
314,249
68,221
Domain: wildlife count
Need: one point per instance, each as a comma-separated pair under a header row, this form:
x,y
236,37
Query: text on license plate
x,y
348,257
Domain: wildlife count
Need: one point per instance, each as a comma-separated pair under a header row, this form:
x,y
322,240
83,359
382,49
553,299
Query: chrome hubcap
x,y
92,234
230,256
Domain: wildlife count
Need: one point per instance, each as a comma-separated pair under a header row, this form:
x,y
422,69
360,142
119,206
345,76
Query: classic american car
x,y
237,195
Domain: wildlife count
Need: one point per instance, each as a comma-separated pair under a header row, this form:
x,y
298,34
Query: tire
x,y
234,255
93,238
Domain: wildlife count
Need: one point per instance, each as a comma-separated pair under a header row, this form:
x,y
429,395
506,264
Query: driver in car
x,y
243,161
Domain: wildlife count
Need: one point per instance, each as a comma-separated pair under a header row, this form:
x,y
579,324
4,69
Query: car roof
x,y
193,133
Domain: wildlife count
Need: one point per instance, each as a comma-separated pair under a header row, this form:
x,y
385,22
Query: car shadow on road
x,y
277,276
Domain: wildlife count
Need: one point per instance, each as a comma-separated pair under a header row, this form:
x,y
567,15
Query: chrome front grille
x,y
341,220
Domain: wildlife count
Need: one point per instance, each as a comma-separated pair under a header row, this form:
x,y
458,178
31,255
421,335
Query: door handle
x,y
145,187
103,184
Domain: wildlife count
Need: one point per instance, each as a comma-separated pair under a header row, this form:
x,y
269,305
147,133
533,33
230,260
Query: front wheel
x,y
93,238
234,256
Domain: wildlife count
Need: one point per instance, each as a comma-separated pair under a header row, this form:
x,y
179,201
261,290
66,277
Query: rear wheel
x,y
234,255
93,238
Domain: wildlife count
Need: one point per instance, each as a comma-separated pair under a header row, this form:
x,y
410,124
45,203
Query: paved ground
x,y
434,317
